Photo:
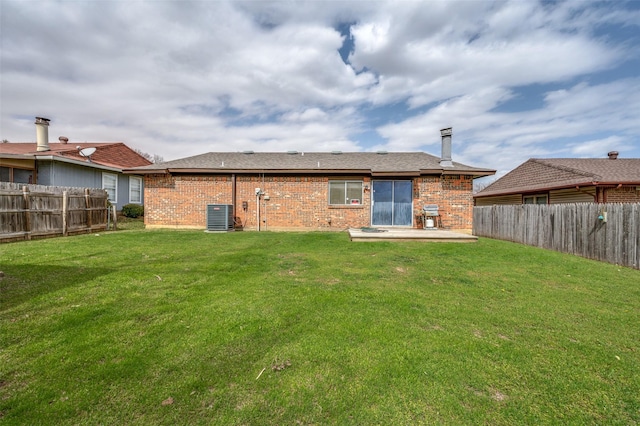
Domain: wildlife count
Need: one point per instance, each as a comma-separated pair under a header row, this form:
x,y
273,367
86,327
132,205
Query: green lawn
x,y
177,327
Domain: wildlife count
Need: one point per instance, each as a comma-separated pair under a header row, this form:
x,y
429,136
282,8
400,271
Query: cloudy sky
x,y
515,79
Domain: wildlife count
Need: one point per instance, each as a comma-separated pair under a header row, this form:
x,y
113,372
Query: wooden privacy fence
x,y
606,232
36,211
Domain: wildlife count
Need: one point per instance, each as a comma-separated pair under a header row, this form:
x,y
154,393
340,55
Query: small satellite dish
x,y
87,152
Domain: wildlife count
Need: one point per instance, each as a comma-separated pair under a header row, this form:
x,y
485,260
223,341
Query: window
x,y
343,192
135,190
5,174
22,176
15,175
535,199
110,184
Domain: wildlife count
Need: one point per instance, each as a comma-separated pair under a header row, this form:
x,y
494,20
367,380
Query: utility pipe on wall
x,y
233,197
258,193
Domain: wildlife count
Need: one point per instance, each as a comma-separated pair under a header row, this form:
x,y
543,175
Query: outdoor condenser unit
x,y
219,217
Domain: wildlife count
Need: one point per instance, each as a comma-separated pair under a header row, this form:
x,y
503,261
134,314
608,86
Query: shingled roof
x,y
556,173
380,163
109,154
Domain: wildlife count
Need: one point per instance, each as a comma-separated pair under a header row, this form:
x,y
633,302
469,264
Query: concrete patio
x,y
409,234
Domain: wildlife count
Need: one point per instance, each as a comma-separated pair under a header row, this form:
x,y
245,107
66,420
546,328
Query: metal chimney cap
x,y
42,120
446,132
613,155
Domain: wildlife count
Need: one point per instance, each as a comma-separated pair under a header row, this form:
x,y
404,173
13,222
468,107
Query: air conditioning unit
x,y
219,217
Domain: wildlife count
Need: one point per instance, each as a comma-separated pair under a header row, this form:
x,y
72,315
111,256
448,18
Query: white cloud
x,y
182,78
597,147
504,140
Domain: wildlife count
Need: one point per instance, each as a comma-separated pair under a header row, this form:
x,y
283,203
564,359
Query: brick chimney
x,y
445,159
42,134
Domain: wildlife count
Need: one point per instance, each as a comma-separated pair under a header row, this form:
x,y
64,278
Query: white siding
x,y
562,196
505,199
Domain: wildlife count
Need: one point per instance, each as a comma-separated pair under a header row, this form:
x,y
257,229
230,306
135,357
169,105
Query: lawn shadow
x,y
26,281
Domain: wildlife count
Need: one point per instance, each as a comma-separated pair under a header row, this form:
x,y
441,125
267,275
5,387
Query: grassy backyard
x,y
168,327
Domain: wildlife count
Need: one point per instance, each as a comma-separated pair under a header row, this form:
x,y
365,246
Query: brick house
x,y
311,190
567,180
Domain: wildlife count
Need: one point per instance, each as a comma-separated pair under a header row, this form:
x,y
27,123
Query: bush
x,y
132,210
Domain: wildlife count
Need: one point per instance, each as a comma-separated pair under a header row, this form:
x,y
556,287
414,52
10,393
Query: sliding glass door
x,y
392,203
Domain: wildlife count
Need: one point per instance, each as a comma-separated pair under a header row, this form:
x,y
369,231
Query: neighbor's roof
x,y
556,173
109,154
380,163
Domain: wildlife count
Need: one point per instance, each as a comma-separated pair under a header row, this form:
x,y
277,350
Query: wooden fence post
x,y
87,205
27,211
65,210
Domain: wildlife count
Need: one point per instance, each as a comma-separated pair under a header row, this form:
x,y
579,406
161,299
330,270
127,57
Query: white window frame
x,y
133,179
106,187
347,201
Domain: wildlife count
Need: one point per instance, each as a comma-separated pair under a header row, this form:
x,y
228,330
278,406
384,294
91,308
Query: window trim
x,y
115,190
535,198
347,201
131,180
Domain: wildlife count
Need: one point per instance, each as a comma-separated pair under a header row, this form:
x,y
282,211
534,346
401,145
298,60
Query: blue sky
x,y
515,79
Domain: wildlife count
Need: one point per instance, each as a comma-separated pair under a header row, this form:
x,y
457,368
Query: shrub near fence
x,y
606,232
36,211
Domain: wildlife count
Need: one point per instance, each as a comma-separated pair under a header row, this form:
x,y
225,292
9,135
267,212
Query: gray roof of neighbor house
x,y
557,173
375,163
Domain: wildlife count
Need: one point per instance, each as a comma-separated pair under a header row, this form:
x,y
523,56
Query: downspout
x,y
258,191
233,197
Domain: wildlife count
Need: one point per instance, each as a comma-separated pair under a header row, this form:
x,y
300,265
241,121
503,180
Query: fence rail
x,y
606,232
36,211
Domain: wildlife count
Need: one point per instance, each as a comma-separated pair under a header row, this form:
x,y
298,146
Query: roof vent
x,y
336,152
381,152
292,152
613,155
63,139
247,152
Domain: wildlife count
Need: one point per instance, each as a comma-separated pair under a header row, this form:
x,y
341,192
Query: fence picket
x,y
569,228
33,211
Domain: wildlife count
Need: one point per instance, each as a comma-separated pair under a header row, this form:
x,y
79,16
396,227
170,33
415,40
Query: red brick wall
x,y
453,194
623,195
181,201
295,202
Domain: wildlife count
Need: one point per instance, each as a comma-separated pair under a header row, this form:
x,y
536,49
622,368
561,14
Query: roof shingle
x,y
555,173
111,154
392,162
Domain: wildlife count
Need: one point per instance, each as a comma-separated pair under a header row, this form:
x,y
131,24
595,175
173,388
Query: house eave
x,y
218,171
576,186
476,173
76,162
145,171
399,174
17,156
367,172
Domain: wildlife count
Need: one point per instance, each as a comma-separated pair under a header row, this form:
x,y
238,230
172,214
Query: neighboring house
x,y
88,165
311,190
567,180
